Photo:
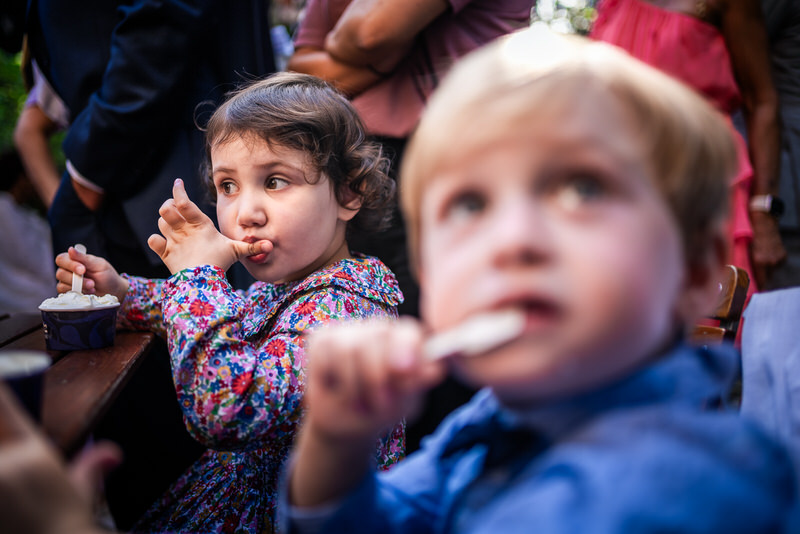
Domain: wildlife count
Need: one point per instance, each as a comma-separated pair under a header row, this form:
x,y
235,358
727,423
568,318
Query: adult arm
x,y
310,56
751,64
378,33
31,138
122,128
349,79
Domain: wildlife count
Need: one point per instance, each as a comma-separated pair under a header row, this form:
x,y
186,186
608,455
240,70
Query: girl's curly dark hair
x,y
302,112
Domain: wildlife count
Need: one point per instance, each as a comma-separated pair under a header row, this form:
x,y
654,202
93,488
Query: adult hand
x,y
767,248
190,238
36,493
99,276
90,198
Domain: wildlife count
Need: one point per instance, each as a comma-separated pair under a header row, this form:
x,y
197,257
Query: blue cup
x,y
92,328
23,371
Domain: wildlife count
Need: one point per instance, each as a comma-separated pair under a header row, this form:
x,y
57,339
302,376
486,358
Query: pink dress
x,y
693,51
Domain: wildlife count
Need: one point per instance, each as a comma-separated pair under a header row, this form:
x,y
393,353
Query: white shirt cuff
x,y
78,177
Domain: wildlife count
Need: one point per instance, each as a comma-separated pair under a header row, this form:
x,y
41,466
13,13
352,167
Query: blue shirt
x,y
646,454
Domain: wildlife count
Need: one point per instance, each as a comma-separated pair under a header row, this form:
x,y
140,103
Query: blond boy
x,y
570,183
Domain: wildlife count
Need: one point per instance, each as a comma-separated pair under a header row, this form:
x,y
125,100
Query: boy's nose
x,y
520,233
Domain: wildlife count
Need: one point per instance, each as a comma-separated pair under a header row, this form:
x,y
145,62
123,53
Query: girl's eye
x,y
274,183
226,188
465,205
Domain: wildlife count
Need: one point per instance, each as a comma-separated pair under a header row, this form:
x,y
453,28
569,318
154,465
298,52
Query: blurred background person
x,y
26,265
132,75
782,18
720,48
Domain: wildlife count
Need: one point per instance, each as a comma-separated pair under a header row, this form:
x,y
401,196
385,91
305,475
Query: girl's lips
x,y
261,257
257,258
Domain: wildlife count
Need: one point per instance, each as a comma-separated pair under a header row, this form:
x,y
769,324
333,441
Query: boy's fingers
x,y
14,422
90,468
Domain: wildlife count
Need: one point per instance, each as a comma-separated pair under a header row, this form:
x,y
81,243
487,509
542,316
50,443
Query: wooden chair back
x,y
728,313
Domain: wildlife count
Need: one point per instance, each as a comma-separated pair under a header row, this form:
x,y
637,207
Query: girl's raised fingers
x,y
170,215
157,243
184,205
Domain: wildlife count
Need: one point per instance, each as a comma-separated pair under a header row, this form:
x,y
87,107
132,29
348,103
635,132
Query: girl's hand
x,y
99,277
364,377
191,239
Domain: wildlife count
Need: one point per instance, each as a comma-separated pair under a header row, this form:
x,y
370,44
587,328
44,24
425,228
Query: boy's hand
x,y
99,276
191,239
363,377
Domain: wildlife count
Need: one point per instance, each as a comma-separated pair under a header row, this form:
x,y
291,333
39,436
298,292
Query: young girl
x,y
291,174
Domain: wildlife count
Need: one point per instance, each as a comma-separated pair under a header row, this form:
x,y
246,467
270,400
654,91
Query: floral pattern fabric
x,y
239,370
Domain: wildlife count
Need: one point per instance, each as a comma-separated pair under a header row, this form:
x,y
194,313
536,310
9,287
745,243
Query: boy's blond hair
x,y
493,91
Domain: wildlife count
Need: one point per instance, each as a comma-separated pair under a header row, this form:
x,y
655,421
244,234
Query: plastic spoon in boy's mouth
x,y
477,335
77,279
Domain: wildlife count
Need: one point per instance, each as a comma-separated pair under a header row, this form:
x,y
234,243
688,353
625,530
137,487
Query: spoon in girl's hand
x,y
477,335
77,279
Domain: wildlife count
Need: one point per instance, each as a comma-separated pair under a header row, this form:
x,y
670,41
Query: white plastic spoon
x,y
477,335
77,279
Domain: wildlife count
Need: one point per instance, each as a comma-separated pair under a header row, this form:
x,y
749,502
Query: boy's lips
x,y
540,312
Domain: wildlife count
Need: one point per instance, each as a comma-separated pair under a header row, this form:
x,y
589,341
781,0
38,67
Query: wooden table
x,y
80,385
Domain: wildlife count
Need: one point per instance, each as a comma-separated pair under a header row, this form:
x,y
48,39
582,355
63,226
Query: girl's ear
x,y
350,207
701,289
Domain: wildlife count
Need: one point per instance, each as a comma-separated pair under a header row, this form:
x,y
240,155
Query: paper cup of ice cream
x,y
74,321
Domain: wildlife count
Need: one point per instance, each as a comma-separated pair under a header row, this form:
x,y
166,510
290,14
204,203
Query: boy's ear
x,y
705,271
350,206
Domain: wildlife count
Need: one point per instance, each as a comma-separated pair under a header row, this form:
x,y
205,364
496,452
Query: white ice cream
x,y
78,301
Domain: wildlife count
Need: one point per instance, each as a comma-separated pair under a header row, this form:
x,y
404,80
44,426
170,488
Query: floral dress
x,y
239,371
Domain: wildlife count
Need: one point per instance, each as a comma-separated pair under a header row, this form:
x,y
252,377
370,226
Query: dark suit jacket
x,y
132,74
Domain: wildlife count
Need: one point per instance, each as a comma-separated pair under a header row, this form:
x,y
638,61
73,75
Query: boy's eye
x,y
580,189
274,183
465,205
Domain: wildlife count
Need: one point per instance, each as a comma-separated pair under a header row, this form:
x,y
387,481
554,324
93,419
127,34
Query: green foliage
x,y
12,99
12,96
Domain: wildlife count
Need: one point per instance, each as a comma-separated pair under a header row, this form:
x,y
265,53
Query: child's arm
x,y
362,377
140,298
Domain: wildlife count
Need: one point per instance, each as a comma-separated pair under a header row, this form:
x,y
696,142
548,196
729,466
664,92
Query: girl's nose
x,y
521,233
251,210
